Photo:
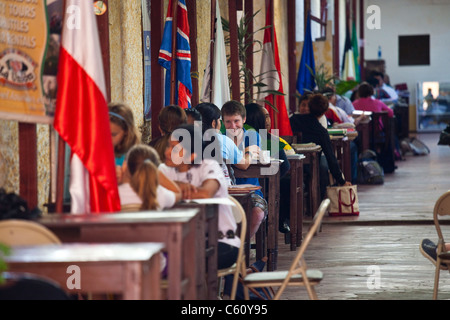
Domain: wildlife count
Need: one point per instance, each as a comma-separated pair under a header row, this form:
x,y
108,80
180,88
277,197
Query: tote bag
x,y
343,201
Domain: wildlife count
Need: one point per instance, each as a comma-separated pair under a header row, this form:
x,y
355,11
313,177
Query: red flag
x,y
81,115
271,76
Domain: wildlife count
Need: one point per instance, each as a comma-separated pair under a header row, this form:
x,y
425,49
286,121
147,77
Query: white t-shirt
x,y
165,197
209,170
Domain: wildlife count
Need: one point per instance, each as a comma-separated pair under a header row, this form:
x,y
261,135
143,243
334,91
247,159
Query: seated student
x,y
383,85
199,177
231,154
123,132
365,102
256,118
144,184
193,116
313,131
234,117
169,118
287,148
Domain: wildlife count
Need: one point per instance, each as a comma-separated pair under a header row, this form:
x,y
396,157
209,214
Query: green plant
x,y
324,79
4,251
246,75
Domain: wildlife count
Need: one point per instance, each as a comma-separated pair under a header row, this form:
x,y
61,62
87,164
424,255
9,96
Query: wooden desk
x,y
341,146
296,200
175,228
245,199
208,222
270,174
312,158
131,270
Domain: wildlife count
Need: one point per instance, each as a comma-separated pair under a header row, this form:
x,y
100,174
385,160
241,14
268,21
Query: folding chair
x,y
24,232
239,265
298,274
441,208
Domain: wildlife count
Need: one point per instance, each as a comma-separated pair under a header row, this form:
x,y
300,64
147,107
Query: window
x,y
414,50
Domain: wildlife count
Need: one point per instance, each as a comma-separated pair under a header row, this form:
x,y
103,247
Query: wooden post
x,y
361,35
212,47
173,66
234,49
60,175
103,31
28,163
249,54
156,21
292,58
336,58
192,16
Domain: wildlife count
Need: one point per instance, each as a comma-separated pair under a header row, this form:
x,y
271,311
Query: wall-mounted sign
x,y
23,43
100,7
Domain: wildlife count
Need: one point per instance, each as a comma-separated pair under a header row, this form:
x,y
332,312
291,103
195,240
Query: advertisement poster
x,y
23,43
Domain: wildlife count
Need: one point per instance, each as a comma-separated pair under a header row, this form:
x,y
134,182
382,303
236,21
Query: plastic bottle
x,y
379,52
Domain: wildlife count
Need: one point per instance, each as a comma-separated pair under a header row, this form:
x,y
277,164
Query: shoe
x,y
428,248
284,227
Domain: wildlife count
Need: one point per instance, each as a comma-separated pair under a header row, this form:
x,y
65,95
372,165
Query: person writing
x,y
312,131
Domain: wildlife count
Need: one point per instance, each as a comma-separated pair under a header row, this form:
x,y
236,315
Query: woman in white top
x,y
144,184
202,178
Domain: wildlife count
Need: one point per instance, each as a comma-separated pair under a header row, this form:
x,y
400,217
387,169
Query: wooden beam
x,y
28,163
336,61
234,49
212,47
249,55
361,37
103,31
173,64
157,74
292,58
192,16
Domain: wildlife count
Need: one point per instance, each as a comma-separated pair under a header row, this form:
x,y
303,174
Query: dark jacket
x,y
313,131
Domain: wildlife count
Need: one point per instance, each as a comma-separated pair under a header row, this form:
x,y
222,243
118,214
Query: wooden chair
x,y
441,208
298,274
25,232
239,265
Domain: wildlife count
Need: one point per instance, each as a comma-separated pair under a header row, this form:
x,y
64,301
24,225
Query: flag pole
x,y
173,63
213,39
272,30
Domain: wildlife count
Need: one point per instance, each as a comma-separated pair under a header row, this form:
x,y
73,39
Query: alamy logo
x,y
374,279
374,20
74,280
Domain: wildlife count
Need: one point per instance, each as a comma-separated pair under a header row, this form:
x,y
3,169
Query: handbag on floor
x,y
343,200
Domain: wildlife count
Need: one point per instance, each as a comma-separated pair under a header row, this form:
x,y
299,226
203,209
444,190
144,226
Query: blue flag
x,y
305,79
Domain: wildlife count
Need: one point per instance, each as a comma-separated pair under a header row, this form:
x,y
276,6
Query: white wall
x,y
411,17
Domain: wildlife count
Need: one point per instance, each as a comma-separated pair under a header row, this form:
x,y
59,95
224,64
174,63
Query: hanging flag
x,y
355,53
348,61
220,90
81,115
183,92
271,77
305,79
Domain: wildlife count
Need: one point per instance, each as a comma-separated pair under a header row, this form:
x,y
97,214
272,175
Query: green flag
x,y
355,52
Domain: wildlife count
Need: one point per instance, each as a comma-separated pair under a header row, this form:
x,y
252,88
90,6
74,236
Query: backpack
x,y
414,146
369,170
12,206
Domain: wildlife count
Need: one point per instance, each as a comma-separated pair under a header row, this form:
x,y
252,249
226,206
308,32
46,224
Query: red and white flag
x,y
271,77
81,115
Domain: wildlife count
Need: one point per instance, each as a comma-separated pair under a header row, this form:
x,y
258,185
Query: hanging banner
x,y
147,59
23,43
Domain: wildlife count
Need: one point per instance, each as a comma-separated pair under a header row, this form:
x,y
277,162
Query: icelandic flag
x,y
183,92
305,80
